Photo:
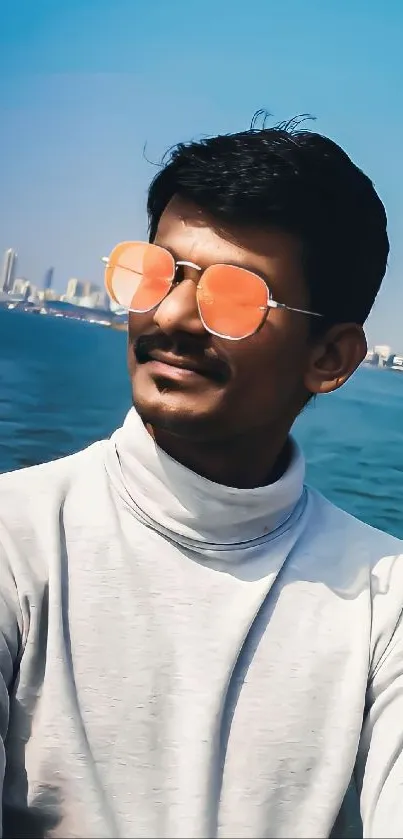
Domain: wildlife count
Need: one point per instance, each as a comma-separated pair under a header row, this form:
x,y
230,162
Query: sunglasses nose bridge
x,y
186,270
188,264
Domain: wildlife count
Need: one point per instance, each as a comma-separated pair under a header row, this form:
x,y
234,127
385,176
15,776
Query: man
x,y
193,643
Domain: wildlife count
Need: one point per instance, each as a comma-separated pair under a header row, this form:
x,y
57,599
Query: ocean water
x,y
63,384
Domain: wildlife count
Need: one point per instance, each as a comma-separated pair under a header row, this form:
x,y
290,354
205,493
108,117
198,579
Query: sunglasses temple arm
x,y
305,312
274,305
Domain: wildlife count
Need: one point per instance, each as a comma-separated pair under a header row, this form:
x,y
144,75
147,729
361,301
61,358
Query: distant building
x,y
85,294
89,289
96,300
21,288
48,279
383,351
50,294
75,288
9,268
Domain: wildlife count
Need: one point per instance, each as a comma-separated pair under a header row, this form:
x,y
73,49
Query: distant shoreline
x,y
68,311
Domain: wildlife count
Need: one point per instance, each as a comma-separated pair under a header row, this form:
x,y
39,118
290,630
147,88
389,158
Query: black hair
x,y
301,182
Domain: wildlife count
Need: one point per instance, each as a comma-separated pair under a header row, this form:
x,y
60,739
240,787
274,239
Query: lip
x,y
175,367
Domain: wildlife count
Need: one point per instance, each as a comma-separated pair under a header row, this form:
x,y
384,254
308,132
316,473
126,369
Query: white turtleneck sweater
x,y
183,659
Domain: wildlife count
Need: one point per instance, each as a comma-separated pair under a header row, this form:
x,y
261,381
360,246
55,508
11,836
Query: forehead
x,y
192,234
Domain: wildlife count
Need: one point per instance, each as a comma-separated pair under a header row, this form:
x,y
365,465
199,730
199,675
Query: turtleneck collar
x,y
186,506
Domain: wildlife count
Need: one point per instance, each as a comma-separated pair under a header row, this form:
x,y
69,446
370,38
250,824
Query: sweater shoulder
x,y
341,527
27,492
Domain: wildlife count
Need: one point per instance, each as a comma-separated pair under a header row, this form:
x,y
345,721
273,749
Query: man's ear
x,y
335,357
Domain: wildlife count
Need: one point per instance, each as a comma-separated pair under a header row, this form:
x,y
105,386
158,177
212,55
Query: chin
x,y
178,413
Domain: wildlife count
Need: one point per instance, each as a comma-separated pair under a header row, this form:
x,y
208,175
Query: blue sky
x,y
85,84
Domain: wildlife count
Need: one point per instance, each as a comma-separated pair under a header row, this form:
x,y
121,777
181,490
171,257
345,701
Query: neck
x,y
243,462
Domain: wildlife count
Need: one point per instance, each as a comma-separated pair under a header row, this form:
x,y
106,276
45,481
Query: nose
x,y
178,311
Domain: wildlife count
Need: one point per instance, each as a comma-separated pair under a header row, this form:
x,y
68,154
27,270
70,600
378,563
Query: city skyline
x,y
82,292
47,283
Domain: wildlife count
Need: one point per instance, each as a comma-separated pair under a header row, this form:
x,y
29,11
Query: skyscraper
x,y
48,279
74,288
8,273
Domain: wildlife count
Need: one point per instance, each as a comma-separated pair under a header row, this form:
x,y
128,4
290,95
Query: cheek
x,y
283,341
272,361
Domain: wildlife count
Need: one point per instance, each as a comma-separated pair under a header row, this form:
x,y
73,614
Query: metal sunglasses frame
x,y
271,304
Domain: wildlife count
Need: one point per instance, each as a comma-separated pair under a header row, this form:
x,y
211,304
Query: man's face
x,y
230,388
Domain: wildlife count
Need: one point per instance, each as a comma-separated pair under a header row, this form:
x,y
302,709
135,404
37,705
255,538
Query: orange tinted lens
x,y
139,275
232,301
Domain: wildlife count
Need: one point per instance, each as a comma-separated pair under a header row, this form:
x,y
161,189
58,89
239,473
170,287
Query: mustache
x,y
183,346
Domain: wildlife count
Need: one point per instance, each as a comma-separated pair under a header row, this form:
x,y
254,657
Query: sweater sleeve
x,y
380,756
10,643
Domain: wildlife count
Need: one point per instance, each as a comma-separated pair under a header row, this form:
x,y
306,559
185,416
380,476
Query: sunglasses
x,y
233,302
